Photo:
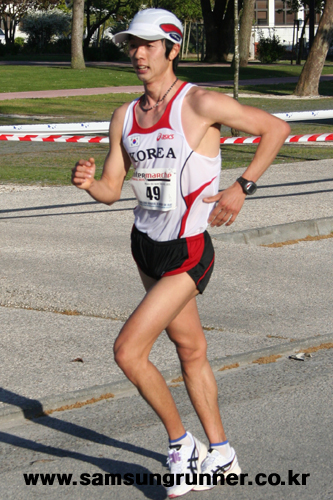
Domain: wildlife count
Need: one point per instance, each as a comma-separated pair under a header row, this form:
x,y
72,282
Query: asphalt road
x,y
278,417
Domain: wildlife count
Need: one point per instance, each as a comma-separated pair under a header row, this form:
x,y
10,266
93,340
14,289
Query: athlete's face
x,y
148,58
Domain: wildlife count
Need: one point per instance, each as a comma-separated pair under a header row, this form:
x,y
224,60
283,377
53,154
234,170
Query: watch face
x,y
250,187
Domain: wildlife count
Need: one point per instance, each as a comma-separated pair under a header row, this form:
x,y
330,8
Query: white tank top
x,y
163,147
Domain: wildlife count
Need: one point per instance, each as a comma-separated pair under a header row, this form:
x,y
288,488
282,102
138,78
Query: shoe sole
x,y
202,450
235,469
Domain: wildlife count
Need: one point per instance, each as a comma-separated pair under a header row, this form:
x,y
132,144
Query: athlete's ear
x,y
174,51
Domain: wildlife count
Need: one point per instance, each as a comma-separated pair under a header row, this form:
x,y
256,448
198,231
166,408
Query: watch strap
x,y
249,187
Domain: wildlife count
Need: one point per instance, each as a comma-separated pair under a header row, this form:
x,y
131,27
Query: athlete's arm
x,y
213,108
108,189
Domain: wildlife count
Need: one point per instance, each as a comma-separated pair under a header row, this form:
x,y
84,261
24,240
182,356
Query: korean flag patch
x,y
134,141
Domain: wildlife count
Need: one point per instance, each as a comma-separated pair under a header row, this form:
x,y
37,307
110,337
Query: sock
x,y
184,439
223,448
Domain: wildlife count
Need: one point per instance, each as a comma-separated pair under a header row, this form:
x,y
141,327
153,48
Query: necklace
x,y
160,100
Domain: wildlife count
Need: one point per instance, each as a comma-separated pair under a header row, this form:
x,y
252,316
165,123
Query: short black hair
x,y
168,48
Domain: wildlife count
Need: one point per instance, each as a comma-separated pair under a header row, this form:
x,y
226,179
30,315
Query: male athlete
x,y
171,136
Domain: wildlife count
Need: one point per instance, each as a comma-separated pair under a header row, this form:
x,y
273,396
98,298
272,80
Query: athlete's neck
x,y
144,99
159,93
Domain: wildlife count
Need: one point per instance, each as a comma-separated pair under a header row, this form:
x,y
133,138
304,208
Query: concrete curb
x,y
280,232
32,408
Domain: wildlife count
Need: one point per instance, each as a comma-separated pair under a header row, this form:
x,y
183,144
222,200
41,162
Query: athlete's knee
x,y
122,356
129,360
193,353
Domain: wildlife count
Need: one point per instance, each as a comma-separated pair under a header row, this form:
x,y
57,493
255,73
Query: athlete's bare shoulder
x,y
117,122
118,116
208,104
210,107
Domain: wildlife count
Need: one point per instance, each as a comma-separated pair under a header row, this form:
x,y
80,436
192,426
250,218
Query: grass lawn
x,y
30,78
325,89
63,109
45,164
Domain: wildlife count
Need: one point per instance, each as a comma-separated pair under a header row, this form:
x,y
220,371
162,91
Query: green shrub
x,y
9,49
60,46
107,51
43,27
19,41
270,49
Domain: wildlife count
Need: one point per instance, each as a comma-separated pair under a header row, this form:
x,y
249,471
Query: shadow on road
x,y
33,407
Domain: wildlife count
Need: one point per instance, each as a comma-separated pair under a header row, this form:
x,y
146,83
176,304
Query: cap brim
x,y
123,36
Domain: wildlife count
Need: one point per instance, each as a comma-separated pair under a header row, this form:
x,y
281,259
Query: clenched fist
x,y
83,173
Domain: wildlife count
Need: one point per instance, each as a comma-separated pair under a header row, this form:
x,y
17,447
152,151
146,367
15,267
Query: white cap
x,y
153,24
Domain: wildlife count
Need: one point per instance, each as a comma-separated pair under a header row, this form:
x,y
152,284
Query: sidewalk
x,y
69,283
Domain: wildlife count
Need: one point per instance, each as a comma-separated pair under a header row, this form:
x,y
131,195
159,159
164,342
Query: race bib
x,y
155,189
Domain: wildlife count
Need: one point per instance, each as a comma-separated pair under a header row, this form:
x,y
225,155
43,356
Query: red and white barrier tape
x,y
290,139
105,140
54,138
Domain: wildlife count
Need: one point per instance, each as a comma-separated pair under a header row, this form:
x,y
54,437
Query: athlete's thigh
x,y
185,330
162,303
147,281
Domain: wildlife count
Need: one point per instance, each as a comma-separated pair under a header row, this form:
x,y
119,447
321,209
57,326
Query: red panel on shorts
x,y
195,248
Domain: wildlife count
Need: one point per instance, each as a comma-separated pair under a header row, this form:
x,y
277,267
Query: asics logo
x,y
165,136
223,468
176,37
193,461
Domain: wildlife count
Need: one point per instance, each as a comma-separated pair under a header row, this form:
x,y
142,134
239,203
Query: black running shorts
x,y
193,255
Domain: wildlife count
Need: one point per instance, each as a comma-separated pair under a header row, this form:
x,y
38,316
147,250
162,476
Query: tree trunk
x,y
77,58
7,34
94,27
234,132
308,83
91,28
245,31
188,38
301,40
219,25
87,39
236,56
9,27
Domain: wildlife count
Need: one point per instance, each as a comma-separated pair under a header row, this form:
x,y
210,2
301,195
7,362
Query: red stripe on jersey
x,y
163,122
189,200
195,248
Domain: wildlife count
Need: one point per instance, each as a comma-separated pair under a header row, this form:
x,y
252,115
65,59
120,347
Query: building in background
x,y
275,15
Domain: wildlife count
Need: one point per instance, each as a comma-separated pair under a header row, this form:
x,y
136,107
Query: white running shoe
x,y
185,460
215,463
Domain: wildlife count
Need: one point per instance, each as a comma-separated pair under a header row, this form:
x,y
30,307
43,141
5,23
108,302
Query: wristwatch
x,y
249,187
